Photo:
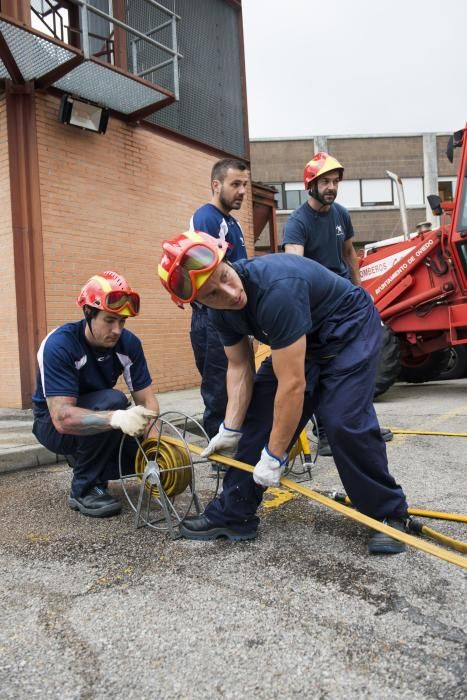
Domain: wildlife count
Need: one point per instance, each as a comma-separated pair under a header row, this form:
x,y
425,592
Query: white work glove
x,y
226,442
133,421
269,469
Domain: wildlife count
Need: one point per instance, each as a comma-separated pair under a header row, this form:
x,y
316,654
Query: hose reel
x,y
173,462
161,488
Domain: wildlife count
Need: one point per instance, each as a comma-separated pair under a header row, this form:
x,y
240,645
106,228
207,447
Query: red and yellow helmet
x,y
188,260
320,164
110,292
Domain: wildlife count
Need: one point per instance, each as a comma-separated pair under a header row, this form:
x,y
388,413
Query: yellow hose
x,y
426,547
173,461
419,528
456,517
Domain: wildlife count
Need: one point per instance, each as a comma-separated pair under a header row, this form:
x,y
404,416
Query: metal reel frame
x,y
145,492
306,456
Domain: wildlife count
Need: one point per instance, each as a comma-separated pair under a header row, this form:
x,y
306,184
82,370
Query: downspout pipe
x,y
402,205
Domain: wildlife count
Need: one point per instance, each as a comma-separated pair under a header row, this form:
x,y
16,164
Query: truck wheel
x,y
426,368
457,367
389,362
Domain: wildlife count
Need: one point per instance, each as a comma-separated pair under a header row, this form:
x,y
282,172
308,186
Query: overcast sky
x,y
355,66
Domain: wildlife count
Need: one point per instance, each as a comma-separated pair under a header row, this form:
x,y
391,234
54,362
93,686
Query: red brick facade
x,y
107,202
10,386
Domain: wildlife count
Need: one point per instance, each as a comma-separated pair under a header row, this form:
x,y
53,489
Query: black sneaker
x,y
324,449
97,503
386,434
200,528
380,543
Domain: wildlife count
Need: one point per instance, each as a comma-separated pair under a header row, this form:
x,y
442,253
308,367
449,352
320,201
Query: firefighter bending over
x,y
324,334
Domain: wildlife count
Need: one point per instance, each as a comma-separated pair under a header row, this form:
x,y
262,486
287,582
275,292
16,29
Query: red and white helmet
x,y
320,164
110,292
188,260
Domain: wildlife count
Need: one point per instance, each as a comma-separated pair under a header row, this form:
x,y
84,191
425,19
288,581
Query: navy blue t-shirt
x,y
210,219
321,234
290,296
70,366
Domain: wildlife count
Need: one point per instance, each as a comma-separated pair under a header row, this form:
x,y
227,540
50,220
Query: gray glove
x,y
133,421
226,442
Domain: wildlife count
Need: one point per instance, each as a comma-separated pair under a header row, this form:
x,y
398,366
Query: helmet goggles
x,y
121,302
190,270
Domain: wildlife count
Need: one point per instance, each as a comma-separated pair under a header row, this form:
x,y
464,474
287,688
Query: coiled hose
x,y
174,462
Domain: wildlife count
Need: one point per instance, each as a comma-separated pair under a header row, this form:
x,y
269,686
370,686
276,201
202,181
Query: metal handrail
x,y
146,37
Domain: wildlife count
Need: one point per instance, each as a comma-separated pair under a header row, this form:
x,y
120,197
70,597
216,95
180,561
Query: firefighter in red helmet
x,y
77,411
321,230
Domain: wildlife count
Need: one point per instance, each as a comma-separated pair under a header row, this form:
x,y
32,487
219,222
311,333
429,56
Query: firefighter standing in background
x,y
321,230
229,180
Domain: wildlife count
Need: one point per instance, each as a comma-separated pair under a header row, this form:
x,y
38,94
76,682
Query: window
x,y
348,193
279,196
446,189
376,192
413,191
295,194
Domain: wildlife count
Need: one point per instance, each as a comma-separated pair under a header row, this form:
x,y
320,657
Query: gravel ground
x,y
96,609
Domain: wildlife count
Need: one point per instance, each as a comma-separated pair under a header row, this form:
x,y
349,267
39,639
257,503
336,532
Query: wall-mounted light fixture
x,y
84,115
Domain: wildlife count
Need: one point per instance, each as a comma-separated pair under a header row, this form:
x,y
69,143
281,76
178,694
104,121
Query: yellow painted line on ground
x,y
454,413
399,431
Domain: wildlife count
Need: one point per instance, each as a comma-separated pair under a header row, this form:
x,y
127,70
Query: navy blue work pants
x,y
342,387
211,362
94,458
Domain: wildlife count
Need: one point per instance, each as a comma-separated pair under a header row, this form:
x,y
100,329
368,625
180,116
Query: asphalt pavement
x,y
98,609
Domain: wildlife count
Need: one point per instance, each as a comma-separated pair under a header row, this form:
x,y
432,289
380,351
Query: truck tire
x,y
425,369
457,367
389,362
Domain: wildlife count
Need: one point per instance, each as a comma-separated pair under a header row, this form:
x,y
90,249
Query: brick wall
x,y
107,203
10,390
280,161
445,168
370,158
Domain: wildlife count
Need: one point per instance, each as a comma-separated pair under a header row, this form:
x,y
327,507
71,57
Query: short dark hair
x,y
90,312
219,169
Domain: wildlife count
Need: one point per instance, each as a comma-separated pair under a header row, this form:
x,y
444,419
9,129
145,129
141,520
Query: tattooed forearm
x,y
92,423
69,419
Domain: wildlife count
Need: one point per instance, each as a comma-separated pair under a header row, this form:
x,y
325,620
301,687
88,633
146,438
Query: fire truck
x,y
418,282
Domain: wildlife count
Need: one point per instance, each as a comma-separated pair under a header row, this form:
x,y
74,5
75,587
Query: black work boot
x,y
200,528
324,449
380,543
97,503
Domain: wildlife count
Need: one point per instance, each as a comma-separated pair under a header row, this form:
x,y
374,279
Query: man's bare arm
x,y
294,248
289,368
351,258
69,419
147,398
240,377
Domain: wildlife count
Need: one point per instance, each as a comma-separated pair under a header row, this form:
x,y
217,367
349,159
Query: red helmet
x,y
109,291
188,261
320,163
